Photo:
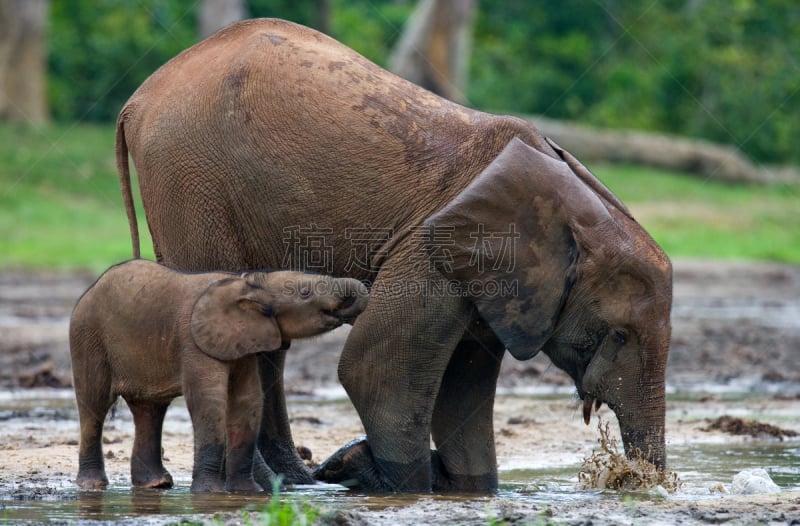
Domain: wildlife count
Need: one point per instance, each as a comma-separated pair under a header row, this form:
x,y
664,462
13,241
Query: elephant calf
x,y
149,334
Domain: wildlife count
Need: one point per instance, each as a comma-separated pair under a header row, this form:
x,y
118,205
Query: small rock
x,y
753,482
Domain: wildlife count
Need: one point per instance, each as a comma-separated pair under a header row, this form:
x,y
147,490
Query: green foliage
x,y
101,51
283,511
725,71
371,28
304,12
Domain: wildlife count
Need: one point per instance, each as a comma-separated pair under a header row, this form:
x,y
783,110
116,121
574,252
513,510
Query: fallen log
x,y
694,156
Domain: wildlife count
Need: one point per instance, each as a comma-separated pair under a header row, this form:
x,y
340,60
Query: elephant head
x,y
580,280
308,304
263,311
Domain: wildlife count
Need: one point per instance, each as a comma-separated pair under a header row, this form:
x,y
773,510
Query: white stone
x,y
754,481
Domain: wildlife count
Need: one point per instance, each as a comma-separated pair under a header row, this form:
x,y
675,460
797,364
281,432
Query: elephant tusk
x,y
587,410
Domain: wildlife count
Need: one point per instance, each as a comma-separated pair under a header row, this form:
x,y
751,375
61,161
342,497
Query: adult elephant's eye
x,y
589,342
305,292
619,337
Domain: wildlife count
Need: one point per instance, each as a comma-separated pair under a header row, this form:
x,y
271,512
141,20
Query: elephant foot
x,y
207,484
284,462
443,481
352,466
264,476
93,480
247,485
155,479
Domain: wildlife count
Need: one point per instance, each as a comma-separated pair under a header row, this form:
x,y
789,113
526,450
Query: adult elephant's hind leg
x,y
462,426
275,438
391,367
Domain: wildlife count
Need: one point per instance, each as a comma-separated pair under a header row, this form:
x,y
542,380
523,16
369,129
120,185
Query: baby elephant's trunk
x,y
353,295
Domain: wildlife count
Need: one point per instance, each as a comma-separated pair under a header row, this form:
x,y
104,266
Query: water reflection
x,y
117,503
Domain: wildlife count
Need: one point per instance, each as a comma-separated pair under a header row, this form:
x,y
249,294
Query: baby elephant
x,y
149,333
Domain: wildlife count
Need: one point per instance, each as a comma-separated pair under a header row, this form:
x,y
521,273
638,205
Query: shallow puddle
x,y
51,496
700,467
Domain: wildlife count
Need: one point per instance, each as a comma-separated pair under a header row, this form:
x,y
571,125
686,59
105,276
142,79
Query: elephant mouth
x,y
332,318
346,312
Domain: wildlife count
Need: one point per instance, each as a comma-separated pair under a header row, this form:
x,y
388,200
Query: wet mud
x,y
734,358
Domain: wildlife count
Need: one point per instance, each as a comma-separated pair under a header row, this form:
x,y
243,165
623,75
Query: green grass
x,y
61,207
60,202
693,217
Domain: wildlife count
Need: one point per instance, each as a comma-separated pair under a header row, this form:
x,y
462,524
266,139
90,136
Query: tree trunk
x,y
213,15
695,156
22,60
434,49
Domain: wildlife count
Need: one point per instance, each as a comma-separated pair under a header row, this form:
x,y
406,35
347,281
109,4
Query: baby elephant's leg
x,y
91,467
205,387
94,395
147,468
244,412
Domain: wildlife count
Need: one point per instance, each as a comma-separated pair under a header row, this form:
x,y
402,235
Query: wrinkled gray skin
x,y
149,333
268,128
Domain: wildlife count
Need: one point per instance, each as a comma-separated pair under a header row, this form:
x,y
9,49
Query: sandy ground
x,y
736,351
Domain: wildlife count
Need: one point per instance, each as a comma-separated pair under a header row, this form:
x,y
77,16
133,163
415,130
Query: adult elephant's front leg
x,y
391,368
462,427
275,438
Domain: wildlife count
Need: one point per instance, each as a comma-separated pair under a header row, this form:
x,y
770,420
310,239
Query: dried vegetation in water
x,y
609,468
739,426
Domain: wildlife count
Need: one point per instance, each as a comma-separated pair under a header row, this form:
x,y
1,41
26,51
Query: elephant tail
x,y
124,172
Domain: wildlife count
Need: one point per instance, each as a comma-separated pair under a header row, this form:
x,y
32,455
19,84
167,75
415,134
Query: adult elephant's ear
x,y
509,240
227,323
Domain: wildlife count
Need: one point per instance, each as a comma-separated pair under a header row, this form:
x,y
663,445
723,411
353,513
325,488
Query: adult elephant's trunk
x,y
642,427
630,379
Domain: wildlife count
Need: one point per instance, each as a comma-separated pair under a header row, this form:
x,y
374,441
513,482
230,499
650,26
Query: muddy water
x,y
536,484
700,468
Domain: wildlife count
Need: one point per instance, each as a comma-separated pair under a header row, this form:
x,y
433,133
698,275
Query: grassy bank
x,y
60,205
60,202
692,217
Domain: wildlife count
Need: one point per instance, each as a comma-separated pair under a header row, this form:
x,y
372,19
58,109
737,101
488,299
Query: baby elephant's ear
x,y
228,323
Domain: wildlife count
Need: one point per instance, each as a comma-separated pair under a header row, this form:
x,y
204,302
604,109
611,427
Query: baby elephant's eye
x,y
619,337
305,292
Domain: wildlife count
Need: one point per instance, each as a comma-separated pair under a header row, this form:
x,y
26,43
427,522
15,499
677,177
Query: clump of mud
x,y
739,426
611,469
44,375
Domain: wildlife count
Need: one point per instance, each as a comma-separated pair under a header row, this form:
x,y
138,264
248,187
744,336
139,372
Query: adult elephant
x,y
271,145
